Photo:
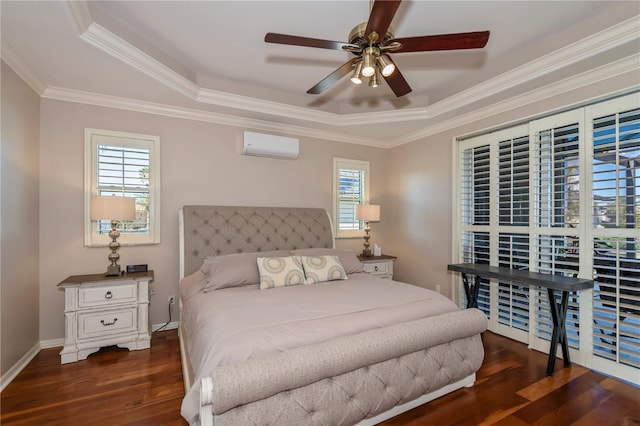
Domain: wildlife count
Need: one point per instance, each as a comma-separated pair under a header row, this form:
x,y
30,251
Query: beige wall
x,y
18,219
200,164
420,191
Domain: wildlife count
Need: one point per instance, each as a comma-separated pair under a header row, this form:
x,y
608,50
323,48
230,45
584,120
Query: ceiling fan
x,y
371,49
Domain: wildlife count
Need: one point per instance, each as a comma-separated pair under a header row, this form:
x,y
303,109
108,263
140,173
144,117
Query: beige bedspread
x,y
232,325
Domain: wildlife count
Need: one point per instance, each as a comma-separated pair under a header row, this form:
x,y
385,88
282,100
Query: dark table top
x,y
517,276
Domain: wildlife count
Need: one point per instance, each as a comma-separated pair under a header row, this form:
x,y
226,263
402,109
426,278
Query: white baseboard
x,y
52,343
19,366
11,374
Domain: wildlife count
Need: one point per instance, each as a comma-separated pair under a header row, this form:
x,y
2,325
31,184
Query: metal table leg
x,y
559,315
471,290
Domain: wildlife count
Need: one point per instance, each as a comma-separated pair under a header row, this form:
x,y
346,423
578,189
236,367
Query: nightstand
x,y
380,266
104,310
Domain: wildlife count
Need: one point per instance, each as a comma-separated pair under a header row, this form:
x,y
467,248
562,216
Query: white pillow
x,y
318,269
348,259
280,272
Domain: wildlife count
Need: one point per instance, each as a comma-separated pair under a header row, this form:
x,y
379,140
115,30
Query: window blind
x,y
351,195
476,201
513,181
557,177
351,186
616,246
560,195
475,186
125,171
513,299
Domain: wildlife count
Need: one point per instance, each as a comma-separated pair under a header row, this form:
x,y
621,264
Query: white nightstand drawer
x,y
91,324
380,266
372,268
108,295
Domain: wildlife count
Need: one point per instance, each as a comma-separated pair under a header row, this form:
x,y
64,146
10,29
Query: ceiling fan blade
x,y
474,40
332,78
304,41
397,82
382,14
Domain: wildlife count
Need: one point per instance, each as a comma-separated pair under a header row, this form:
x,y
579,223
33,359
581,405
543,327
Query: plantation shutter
x,y
494,192
616,245
351,181
556,219
512,303
564,200
124,171
476,202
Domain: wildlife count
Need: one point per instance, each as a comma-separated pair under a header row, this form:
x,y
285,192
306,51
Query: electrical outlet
x,y
438,288
172,299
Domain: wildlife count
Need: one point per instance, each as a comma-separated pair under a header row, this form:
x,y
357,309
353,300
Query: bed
x,y
349,349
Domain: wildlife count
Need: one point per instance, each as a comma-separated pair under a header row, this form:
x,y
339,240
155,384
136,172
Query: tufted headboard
x,y
215,230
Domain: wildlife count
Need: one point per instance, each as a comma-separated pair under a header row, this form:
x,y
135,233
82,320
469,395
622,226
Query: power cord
x,y
166,323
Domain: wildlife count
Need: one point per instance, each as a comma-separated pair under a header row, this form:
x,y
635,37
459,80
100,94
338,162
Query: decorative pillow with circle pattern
x,y
348,259
280,272
318,269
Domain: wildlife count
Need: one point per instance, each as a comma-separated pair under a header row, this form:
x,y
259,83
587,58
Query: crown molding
x,y
11,58
607,39
81,15
623,66
124,51
108,101
596,75
247,103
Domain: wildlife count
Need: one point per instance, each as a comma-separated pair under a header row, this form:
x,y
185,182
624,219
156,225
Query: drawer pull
x,y
108,323
376,268
108,295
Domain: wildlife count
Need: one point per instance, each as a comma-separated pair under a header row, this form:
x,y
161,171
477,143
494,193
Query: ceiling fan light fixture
x,y
385,65
368,62
374,80
356,77
372,41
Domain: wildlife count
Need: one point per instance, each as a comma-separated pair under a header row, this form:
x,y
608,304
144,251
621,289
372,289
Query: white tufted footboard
x,y
349,379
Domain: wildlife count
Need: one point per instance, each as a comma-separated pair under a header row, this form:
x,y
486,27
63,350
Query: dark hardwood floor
x,y
111,387
118,387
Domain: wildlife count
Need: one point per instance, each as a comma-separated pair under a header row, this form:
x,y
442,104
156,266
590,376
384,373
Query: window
x,y
560,195
615,223
123,164
350,188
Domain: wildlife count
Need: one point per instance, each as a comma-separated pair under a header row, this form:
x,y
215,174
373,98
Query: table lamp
x,y
368,213
113,208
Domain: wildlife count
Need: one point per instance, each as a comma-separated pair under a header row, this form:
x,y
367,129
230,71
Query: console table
x,y
564,285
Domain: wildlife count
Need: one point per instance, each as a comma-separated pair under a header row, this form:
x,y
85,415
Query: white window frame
x,y
344,163
95,137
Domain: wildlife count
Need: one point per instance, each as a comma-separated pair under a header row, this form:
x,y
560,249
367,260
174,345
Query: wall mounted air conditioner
x,y
264,145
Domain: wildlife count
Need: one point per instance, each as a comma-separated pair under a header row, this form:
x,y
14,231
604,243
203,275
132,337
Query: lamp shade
x,y
368,212
113,208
